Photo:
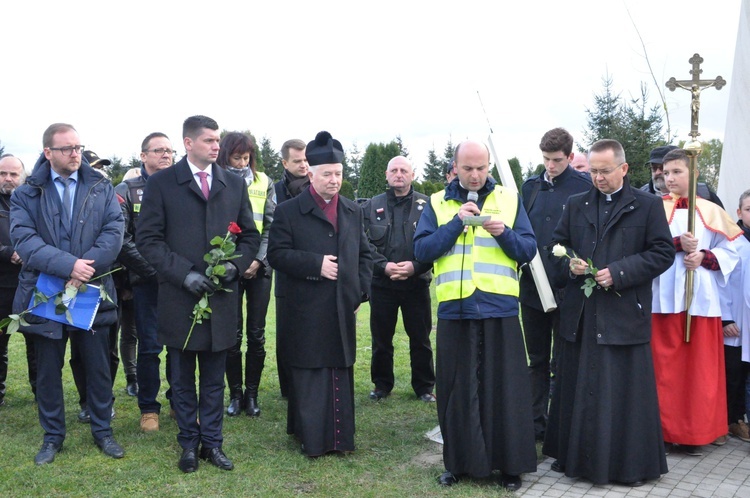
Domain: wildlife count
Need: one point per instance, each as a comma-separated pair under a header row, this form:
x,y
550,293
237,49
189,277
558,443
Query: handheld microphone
x,y
472,196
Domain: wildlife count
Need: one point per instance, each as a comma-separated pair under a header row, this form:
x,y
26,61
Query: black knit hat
x,y
324,150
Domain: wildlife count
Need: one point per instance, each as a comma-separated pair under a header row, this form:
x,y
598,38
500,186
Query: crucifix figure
x,y
695,85
693,149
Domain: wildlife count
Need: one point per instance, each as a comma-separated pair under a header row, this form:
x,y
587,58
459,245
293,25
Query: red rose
x,y
234,228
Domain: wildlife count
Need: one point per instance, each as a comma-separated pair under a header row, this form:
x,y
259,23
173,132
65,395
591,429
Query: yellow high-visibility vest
x,y
258,192
485,266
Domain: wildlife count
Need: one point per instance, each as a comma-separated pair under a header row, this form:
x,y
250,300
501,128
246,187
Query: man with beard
x,y
657,184
66,222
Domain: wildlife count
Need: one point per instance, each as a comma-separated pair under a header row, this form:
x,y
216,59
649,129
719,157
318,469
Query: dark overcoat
x,y
319,323
175,227
635,244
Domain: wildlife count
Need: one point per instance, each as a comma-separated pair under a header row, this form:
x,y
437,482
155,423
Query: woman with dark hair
x,y
238,154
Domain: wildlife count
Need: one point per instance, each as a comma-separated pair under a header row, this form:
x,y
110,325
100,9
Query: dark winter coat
x,y
175,227
318,320
635,245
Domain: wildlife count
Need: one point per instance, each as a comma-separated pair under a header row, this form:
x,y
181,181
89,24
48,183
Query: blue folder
x,y
81,309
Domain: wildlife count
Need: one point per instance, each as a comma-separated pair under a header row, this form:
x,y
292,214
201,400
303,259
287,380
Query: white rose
x,y
559,251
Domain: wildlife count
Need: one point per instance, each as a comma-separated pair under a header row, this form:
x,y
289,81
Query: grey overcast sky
x,y
365,71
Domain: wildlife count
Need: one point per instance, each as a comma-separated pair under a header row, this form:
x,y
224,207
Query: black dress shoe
x,y
132,389
109,447
217,457
511,483
235,407
84,416
251,407
447,479
557,467
427,398
378,394
631,484
47,453
189,460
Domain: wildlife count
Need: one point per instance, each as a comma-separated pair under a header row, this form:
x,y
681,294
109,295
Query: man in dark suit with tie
x,y
66,222
183,208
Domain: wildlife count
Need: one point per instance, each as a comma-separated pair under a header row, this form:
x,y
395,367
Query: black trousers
x,y
417,316
189,404
128,339
540,332
6,308
258,294
736,371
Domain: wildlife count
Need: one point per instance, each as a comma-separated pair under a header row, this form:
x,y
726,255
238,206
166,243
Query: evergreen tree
x,y
269,160
116,170
433,171
634,124
374,162
447,157
355,164
709,161
605,120
402,150
347,190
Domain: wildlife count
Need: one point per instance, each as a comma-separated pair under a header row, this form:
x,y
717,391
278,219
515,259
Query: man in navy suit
x,y
183,208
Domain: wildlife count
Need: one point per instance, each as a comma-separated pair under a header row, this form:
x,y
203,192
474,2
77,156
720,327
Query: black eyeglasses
x,y
67,151
161,152
656,166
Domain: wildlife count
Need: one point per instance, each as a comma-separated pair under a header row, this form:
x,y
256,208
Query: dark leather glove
x,y
197,283
230,275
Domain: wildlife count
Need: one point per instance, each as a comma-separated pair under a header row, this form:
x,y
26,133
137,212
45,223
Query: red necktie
x,y
204,183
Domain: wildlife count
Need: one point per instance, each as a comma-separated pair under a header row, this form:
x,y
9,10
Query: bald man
x,y
12,174
399,281
477,233
580,162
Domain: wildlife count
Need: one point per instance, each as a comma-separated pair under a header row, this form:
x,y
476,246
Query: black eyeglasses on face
x,y
67,151
160,152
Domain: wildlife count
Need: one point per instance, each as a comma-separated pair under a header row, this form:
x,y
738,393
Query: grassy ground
x,y
392,459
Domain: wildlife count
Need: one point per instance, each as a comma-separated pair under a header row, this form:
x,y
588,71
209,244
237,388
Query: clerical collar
x,y
613,196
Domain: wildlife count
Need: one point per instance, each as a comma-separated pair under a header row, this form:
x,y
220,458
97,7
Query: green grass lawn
x,y
393,458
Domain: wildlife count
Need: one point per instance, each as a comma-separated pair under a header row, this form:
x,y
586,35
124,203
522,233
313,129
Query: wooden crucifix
x,y
693,149
695,86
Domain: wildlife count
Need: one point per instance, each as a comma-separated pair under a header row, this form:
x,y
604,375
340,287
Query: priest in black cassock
x,y
318,246
604,420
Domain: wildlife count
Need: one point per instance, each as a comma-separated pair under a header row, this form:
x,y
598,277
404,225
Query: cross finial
x,y
695,85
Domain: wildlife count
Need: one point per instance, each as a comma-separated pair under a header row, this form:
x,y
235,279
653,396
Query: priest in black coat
x,y
183,208
318,246
604,422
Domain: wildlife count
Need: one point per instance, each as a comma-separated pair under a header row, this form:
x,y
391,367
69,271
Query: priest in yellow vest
x,y
476,233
